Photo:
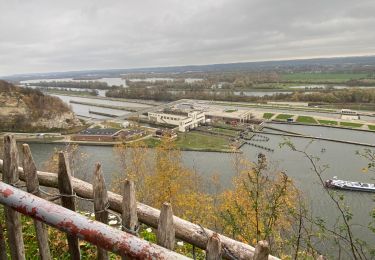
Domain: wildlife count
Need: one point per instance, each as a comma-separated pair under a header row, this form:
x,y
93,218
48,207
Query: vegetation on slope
x,y
26,109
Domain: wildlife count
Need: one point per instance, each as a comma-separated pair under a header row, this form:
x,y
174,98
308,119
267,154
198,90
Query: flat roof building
x,y
183,120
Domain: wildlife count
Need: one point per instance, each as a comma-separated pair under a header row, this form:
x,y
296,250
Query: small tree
x,y
257,207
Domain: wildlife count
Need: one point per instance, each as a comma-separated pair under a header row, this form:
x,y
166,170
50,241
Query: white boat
x,y
350,185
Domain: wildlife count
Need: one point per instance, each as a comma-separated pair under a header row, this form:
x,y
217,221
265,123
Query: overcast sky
x,y
52,35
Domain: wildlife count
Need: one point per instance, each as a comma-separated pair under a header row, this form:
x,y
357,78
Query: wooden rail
x,y
168,226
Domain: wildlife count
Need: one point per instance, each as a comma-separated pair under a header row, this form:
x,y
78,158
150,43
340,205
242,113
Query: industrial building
x,y
183,120
229,115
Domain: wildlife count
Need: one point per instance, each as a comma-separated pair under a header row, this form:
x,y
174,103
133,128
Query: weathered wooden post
x,y
67,199
129,207
32,184
100,204
213,250
166,231
262,251
13,218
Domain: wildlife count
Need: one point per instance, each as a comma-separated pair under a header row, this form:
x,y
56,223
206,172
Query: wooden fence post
x,y
129,207
100,204
129,210
65,187
32,185
262,251
13,218
166,230
213,250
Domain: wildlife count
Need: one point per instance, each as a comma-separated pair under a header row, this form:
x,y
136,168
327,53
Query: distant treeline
x,y
73,84
330,96
92,92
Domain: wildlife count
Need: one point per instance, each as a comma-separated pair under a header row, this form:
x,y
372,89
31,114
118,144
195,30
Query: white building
x,y
184,120
348,114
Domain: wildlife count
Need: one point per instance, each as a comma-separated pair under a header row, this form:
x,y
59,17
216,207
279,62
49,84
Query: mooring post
x,y
32,185
13,218
67,200
100,204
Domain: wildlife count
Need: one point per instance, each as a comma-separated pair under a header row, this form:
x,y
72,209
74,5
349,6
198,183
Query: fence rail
x,y
105,237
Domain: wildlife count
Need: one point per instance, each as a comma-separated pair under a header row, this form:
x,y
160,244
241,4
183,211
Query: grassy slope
x,y
283,116
348,124
268,115
327,122
306,120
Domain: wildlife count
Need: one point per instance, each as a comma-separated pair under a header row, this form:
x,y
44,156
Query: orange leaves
x,y
258,205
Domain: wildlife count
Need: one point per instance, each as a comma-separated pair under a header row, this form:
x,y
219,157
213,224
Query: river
x,y
83,110
341,159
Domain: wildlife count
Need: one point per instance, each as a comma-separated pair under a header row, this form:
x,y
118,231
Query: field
x,y
322,77
371,127
327,122
224,131
268,115
194,140
283,116
348,124
306,120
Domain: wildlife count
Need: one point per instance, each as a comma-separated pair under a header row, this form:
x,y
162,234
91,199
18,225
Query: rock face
x,y
30,110
64,121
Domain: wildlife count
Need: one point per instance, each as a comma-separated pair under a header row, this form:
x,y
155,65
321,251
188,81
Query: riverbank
x,y
192,141
136,101
133,109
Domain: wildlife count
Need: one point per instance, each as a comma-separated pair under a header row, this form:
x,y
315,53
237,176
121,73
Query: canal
x,y
341,159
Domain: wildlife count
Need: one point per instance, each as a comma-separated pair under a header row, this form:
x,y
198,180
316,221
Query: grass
x,y
268,115
306,120
111,124
322,77
224,131
371,127
194,140
349,124
327,122
283,116
152,142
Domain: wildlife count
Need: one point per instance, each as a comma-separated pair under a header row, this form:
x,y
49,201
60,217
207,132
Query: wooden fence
x,y
106,238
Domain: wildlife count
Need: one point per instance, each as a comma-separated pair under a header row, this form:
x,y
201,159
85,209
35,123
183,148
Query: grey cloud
x,y
42,36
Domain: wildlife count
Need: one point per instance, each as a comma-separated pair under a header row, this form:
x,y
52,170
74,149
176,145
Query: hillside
x,y
23,109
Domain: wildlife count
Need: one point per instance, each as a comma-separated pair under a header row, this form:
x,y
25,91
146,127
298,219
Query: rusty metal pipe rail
x,y
185,230
73,223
